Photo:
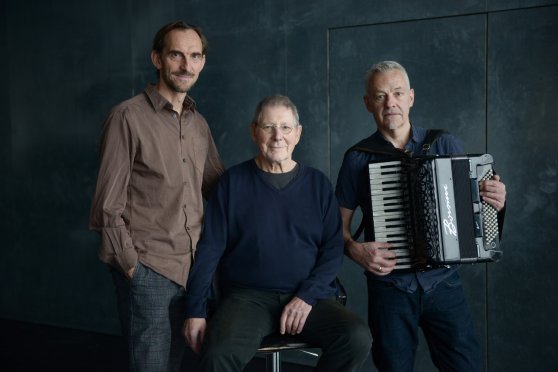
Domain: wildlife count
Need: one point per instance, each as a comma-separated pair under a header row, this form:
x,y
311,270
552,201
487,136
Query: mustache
x,y
185,73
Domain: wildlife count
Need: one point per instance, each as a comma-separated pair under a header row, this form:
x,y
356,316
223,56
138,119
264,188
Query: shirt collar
x,y
159,102
417,136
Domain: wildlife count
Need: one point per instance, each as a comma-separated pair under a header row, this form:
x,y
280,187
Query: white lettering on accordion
x,y
449,226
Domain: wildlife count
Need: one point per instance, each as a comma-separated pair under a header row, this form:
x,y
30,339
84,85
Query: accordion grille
x,y
490,215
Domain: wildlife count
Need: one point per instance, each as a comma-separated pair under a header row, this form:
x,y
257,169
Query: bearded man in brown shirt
x,y
157,161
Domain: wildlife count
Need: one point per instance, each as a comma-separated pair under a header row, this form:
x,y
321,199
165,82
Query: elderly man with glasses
x,y
273,235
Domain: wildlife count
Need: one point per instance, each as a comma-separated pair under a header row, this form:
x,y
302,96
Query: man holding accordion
x,y
401,301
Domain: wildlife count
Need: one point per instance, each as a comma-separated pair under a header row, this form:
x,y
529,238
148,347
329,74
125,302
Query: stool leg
x,y
273,362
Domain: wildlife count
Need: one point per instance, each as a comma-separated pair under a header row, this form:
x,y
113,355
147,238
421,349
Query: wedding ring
x,y
379,268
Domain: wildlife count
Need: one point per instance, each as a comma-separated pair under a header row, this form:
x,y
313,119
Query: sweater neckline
x,y
260,174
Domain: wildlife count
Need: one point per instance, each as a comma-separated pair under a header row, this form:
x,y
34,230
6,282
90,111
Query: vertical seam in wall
x,y
285,58
284,27
486,51
132,50
328,103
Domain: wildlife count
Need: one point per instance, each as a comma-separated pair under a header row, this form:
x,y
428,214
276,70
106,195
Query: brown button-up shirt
x,y
155,165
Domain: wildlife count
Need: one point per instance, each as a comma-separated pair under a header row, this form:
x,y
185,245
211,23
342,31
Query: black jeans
x,y
245,316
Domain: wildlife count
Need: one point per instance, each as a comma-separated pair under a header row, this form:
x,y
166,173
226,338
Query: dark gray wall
x,y
485,70
522,131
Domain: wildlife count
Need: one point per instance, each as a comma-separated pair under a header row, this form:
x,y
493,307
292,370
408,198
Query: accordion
x,y
430,210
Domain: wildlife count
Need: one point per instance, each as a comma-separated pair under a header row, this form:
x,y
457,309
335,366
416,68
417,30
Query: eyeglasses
x,y
283,128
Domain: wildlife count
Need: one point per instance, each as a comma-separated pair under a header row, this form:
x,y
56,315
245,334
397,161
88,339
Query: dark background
x,y
485,70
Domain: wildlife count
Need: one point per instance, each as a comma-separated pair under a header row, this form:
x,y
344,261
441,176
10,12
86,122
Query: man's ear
x,y
156,59
299,132
253,131
365,100
203,62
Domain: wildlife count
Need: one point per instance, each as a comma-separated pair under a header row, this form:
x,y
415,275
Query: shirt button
x,y
182,136
174,115
184,160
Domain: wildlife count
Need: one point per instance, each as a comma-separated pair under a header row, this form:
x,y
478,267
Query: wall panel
x,y
523,131
445,59
70,63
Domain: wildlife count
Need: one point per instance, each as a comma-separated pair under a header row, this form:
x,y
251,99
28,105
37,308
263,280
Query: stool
x,y
272,346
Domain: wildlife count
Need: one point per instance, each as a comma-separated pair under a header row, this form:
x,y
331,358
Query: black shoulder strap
x,y
372,145
431,137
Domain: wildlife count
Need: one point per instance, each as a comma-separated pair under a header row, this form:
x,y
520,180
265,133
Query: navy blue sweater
x,y
288,240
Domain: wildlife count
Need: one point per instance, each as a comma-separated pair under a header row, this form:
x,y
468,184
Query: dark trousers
x,y
443,315
151,309
245,316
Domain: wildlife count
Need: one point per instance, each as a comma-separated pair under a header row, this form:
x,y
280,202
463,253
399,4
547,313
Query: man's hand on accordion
x,y
373,256
493,192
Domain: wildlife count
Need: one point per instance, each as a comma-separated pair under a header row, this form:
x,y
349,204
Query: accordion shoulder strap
x,y
372,145
431,137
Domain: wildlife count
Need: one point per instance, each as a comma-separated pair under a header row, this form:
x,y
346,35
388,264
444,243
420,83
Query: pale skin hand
x,y
194,333
493,192
372,256
294,316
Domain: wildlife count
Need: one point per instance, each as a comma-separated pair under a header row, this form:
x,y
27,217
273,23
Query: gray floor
x,y
33,347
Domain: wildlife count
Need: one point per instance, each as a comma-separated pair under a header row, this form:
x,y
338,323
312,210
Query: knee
x,y
217,349
356,340
224,355
360,338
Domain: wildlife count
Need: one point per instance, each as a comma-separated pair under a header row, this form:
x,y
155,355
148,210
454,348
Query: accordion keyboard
x,y
390,210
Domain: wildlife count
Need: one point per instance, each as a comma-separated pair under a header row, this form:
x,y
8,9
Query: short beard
x,y
173,86
394,126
